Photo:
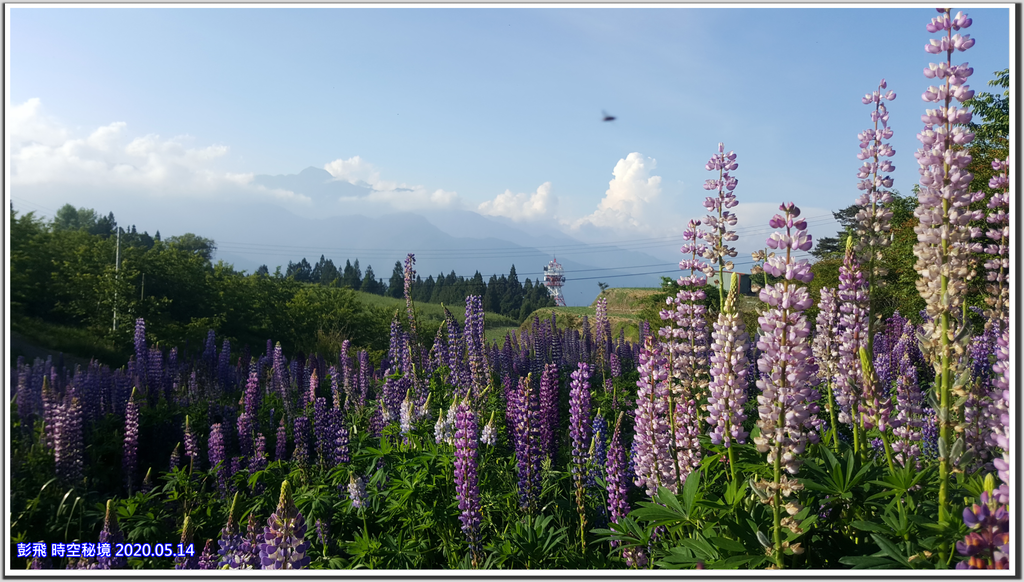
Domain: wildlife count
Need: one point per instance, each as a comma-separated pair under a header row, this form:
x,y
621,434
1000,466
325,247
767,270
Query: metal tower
x,y
553,280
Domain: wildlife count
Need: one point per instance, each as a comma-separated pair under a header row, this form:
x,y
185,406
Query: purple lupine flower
x,y
258,461
579,422
340,433
284,546
324,431
654,464
548,399
24,400
617,477
853,334
988,544
249,552
278,373
788,403
187,562
281,449
39,563
686,335
909,422
999,233
976,422
409,276
192,446
943,249
224,365
874,218
615,365
825,345
216,453
602,334
300,454
68,447
175,461
999,411
252,392
140,350
131,442
728,374
356,491
475,344
467,487
599,449
718,233
111,534
364,377
525,422
208,559
231,541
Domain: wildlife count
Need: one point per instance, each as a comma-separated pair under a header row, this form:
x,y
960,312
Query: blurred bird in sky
x,y
606,116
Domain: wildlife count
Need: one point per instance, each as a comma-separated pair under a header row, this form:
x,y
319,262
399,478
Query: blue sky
x,y
456,107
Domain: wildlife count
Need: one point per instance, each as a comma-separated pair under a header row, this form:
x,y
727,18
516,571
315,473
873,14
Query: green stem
x,y
777,510
888,452
832,417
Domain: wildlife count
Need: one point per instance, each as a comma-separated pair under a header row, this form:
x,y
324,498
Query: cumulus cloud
x,y
45,154
400,196
520,207
631,199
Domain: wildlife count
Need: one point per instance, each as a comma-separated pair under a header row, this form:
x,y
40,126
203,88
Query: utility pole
x,y
117,267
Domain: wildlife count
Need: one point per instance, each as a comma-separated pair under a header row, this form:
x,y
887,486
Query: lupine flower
x,y
718,233
284,546
111,534
323,532
599,449
579,419
467,487
999,232
216,455
191,445
175,457
548,399
258,461
728,374
686,336
999,413
405,415
131,442
909,413
208,559
300,455
615,365
140,349
787,404
249,552
356,491
853,295
873,219
474,334
617,477
444,429
602,334
409,277
68,447
654,464
489,435
231,555
988,545
825,345
187,562
524,419
281,450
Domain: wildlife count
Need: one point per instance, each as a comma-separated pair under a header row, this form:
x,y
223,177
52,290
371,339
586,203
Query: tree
x,y
262,271
301,271
370,284
396,286
68,217
991,128
191,243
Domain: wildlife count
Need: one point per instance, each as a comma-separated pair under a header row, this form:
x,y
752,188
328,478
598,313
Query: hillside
x,y
624,306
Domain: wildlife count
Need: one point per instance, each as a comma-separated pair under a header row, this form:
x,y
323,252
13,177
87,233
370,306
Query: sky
x,y
497,110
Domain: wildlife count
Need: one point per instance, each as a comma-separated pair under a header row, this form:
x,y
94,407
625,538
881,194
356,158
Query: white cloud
x,y
399,196
519,207
629,203
45,155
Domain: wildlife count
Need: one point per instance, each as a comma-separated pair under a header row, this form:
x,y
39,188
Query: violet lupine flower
x,y
943,249
284,546
216,454
300,454
825,345
909,422
874,218
68,447
615,366
976,422
175,461
686,336
192,446
853,335
249,552
787,404
111,534
999,413
599,450
230,542
549,410
999,232
728,374
140,350
131,442
602,334
356,491
208,559
617,475
258,461
654,464
579,422
988,545
718,233
475,344
524,419
339,435
281,450
467,487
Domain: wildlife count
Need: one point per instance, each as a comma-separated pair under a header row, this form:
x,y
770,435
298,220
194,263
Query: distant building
x,y
744,282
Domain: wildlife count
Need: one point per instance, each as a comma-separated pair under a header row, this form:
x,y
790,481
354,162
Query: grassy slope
x,y
623,311
495,326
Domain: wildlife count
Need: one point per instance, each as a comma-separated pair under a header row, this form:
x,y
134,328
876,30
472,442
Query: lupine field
x,y
846,440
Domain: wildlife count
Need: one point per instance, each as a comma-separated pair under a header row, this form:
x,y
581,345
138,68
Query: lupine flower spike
x,y
284,546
